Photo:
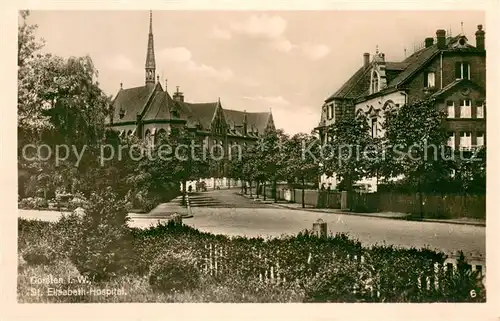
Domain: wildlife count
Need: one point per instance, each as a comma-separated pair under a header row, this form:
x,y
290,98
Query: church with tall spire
x,y
149,111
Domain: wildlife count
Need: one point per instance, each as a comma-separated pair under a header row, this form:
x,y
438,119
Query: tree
x,y
416,145
470,173
270,158
249,159
188,162
235,168
59,103
350,151
302,160
27,44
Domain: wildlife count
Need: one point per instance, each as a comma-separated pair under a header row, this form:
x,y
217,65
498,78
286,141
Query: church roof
x,y
160,107
153,103
201,112
130,102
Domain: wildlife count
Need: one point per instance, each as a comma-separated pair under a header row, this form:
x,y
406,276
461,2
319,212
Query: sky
x,y
288,62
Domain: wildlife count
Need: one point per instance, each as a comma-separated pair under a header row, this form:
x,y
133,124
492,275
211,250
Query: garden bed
x,y
302,268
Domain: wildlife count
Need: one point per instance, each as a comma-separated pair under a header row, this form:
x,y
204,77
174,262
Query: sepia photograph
x,y
188,156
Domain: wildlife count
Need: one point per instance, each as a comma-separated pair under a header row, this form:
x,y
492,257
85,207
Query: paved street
x,y
254,219
267,220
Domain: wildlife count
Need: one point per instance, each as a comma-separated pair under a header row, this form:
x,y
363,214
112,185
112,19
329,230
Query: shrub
x,y
100,244
174,272
462,284
340,281
27,203
145,201
103,252
40,253
78,200
30,203
41,202
66,233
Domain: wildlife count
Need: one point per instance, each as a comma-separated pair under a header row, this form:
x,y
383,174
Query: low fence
x,y
311,197
379,274
213,261
433,206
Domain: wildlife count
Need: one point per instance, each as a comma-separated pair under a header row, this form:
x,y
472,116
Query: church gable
x,y
270,123
218,124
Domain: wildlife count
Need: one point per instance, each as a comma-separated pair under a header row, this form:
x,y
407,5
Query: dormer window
x,y
429,79
330,111
174,113
374,82
122,113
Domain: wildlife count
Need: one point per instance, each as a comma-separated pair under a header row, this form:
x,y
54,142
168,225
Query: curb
x,y
448,222
405,218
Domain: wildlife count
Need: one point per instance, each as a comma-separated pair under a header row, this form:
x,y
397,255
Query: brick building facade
x,y
447,69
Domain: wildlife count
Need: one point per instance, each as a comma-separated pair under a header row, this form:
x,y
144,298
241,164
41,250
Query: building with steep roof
x,y
149,110
447,69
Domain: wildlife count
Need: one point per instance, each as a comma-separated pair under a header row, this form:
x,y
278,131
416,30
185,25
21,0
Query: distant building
x,y
446,68
149,111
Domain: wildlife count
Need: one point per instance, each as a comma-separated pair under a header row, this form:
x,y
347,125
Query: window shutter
x,y
458,72
426,79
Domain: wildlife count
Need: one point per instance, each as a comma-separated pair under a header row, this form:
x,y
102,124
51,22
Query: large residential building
x,y
448,69
149,111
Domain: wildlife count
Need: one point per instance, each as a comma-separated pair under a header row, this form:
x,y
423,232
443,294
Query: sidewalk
x,y
165,211
387,215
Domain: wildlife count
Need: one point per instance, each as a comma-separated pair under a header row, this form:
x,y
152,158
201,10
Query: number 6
x,y
473,293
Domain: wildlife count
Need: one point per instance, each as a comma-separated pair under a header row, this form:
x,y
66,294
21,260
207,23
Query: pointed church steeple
x,y
150,56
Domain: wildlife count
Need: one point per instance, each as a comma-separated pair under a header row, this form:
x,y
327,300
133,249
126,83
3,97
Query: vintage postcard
x,y
274,155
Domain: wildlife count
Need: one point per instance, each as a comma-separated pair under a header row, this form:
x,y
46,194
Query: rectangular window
x,y
450,105
480,139
465,108
480,110
330,111
462,70
374,127
465,141
451,140
429,79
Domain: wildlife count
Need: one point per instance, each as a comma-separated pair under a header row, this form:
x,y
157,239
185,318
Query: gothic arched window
x,y
374,82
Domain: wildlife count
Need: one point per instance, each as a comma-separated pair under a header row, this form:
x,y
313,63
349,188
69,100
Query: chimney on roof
x,y
366,59
480,37
441,38
245,123
178,96
429,42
